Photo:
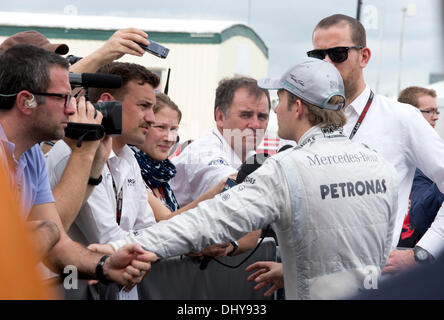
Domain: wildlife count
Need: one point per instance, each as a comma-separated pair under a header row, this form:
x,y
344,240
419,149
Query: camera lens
x,y
112,116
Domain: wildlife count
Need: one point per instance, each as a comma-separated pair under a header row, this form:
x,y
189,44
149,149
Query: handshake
x,y
127,266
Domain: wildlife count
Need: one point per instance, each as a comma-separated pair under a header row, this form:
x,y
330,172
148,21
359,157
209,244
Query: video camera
x,y
111,110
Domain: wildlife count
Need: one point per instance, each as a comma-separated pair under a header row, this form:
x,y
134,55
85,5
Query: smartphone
x,y
156,49
228,184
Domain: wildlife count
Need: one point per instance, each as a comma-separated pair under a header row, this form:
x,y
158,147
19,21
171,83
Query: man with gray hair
x,y
332,201
241,111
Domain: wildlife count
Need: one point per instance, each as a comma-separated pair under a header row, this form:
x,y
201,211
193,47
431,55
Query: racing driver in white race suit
x,y
332,201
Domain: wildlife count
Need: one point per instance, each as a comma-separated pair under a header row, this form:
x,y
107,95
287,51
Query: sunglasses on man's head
x,y
336,54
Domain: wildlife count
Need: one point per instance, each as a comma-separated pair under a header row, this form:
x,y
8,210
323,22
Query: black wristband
x,y
235,246
99,270
95,182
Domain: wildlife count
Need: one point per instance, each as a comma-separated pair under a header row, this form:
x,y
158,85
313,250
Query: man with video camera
x,y
35,101
87,160
118,203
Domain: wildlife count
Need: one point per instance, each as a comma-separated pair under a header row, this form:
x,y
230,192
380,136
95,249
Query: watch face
x,y
422,255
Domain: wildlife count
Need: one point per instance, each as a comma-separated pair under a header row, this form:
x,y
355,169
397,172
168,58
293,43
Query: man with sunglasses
x,y
34,106
396,131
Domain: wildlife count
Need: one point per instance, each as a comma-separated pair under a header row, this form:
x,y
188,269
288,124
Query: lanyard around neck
x,y
362,116
119,198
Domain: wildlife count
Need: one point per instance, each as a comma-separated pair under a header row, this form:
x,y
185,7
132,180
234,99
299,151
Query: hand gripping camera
x,y
111,110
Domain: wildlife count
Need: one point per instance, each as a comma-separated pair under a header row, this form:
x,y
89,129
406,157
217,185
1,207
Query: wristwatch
x,y
235,246
421,255
94,181
99,270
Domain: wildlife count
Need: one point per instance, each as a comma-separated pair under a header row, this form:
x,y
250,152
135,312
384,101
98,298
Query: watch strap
x,y
235,247
94,181
421,255
99,270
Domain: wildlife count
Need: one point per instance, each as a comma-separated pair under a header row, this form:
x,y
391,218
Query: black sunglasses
x,y
66,96
336,54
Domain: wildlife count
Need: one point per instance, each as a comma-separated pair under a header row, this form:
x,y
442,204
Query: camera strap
x,y
84,131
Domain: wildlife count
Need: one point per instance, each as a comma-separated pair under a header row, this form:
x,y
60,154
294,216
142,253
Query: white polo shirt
x,y
404,138
202,165
96,221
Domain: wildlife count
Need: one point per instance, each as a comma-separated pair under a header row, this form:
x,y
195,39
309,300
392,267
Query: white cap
x,y
312,80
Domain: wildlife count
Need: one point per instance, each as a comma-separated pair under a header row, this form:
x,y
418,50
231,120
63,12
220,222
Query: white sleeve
x,y
426,150
433,239
145,217
97,217
246,207
195,175
56,160
207,176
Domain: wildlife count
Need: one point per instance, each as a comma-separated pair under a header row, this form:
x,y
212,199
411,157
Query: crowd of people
x,y
359,193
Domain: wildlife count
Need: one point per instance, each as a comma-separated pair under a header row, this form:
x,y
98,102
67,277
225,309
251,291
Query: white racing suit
x,y
332,201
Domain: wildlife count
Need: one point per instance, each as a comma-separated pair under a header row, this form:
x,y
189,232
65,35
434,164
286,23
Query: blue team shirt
x,y
32,178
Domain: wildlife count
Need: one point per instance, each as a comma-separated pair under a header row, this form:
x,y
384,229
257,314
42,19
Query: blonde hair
x,y
163,101
322,117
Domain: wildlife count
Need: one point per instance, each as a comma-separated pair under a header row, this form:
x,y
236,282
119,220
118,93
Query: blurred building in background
x,y
202,52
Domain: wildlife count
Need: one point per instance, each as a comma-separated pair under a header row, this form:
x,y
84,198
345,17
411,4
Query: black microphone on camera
x,y
95,80
111,110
